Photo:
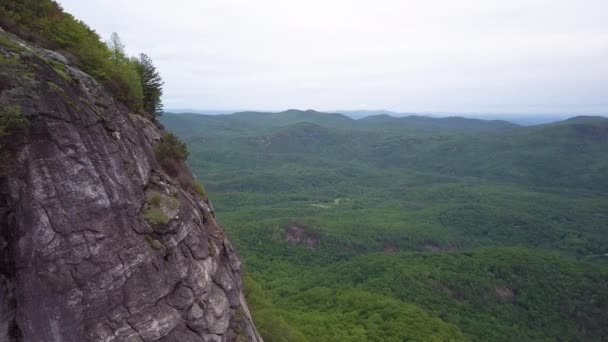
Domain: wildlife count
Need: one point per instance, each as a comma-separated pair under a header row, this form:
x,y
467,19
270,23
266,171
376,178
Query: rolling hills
x,y
391,229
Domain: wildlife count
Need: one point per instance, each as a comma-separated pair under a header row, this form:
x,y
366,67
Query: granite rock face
x,y
79,259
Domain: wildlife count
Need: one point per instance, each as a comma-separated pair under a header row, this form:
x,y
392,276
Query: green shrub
x,y
156,218
12,121
123,81
157,207
154,198
171,148
200,189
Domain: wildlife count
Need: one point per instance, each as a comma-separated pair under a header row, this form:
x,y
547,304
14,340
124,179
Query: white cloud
x,y
416,55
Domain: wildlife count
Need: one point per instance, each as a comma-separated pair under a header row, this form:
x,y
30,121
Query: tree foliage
x,y
117,49
151,84
171,148
123,79
45,23
437,232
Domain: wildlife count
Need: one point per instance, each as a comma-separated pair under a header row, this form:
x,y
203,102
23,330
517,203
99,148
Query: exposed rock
x,y
54,55
505,294
217,314
433,246
80,258
390,247
213,338
299,234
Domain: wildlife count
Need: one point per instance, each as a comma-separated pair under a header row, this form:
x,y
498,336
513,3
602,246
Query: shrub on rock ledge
x,y
159,210
170,152
171,148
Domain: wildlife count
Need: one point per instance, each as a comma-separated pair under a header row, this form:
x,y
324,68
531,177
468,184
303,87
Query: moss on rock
x,y
155,244
159,209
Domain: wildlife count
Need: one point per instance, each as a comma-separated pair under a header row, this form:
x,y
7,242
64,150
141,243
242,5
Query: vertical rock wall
x,y
85,256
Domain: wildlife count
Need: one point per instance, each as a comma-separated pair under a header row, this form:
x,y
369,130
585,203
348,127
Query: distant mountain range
x,y
520,119
496,149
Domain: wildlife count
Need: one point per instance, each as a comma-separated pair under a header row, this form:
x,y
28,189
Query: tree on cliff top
x,y
124,80
45,23
151,84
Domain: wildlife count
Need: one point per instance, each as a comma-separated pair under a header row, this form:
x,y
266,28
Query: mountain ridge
x,y
387,117
531,119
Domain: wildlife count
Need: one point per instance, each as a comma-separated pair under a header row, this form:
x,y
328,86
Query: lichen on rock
x,y
99,241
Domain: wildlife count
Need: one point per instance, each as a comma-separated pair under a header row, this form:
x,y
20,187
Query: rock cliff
x,y
101,240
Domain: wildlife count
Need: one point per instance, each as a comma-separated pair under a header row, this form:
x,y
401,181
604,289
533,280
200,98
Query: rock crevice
x,y
82,258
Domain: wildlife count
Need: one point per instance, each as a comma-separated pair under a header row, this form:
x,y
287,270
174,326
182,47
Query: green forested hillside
x,y
386,229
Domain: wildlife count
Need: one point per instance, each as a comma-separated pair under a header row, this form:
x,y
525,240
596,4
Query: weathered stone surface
x,y
217,314
54,55
78,260
212,338
183,335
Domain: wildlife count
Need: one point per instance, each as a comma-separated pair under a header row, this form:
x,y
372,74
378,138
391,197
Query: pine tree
x,y
152,85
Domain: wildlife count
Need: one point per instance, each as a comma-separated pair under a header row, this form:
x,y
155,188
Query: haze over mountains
x,y
520,119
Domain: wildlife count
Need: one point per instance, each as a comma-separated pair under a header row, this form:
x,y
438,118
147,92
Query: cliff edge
x,y
101,237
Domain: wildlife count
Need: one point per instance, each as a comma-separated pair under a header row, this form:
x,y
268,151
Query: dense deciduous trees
x,y
123,79
412,226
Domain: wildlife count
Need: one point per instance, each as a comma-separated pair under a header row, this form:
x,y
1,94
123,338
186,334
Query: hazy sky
x,y
402,55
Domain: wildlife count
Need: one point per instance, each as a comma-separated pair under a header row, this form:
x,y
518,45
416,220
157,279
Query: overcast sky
x,y
484,56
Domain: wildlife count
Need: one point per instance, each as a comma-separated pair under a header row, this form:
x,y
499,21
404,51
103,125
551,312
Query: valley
x,y
391,229
123,220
